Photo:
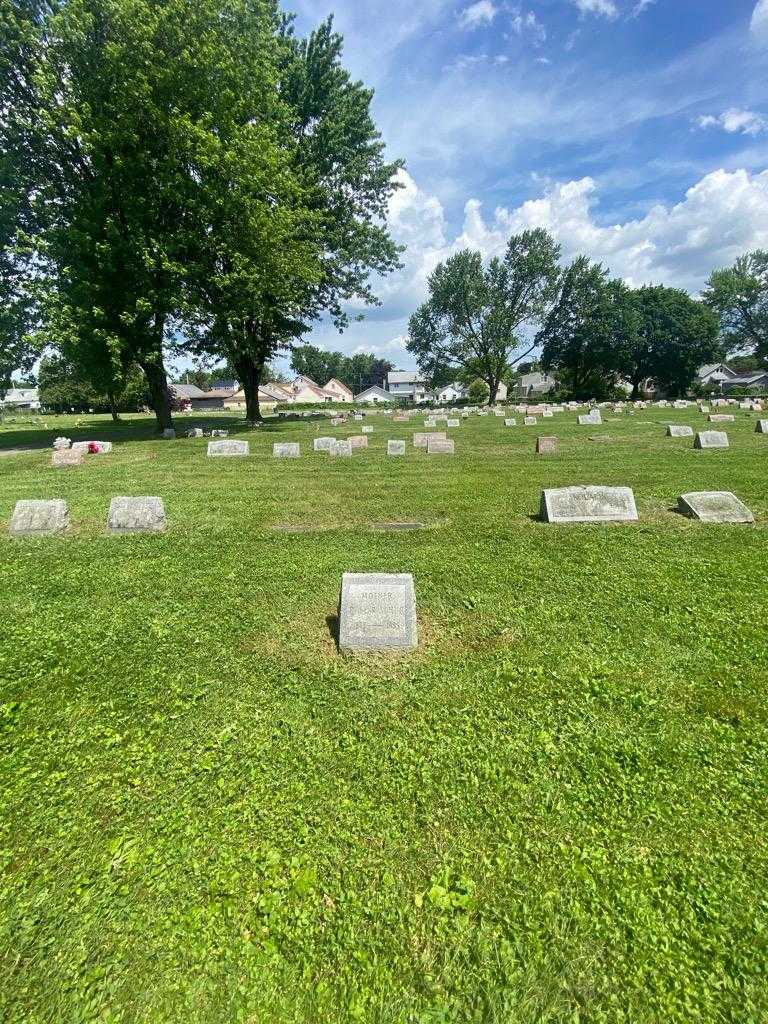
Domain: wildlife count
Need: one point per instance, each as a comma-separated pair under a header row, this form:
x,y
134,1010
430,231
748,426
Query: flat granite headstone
x,y
227,449
169,434
711,439
590,420
761,427
676,431
546,445
359,441
341,449
588,505
136,515
323,444
453,423
92,447
377,612
510,422
366,430
530,421
67,457
440,447
395,447
286,450
39,518
421,440
720,418
714,507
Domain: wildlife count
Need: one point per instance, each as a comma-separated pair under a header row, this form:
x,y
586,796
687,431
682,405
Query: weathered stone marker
x,y
530,421
510,422
421,440
323,444
546,445
592,419
67,457
440,447
761,427
228,449
39,518
92,447
169,434
195,432
136,515
711,439
377,612
548,414
720,418
588,505
286,450
341,449
452,423
366,430
675,431
359,441
714,507
395,447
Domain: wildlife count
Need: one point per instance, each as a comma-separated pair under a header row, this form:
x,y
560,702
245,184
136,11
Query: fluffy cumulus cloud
x,y
481,13
744,122
760,20
526,24
606,8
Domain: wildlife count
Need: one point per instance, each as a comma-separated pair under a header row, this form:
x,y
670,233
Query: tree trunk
x,y
493,388
159,393
113,406
635,391
249,371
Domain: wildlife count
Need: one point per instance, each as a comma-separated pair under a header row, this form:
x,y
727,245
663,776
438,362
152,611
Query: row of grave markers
x,y
590,504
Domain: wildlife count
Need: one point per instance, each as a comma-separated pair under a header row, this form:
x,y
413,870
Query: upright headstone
x,y
66,457
711,439
761,427
588,505
377,612
136,515
451,424
359,441
169,434
286,450
195,432
439,447
510,421
39,518
61,443
341,449
395,447
228,449
366,430
530,421
323,444
592,419
714,507
679,431
546,445
421,440
721,418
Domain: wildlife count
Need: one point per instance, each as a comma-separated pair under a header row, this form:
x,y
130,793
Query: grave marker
x,y
510,422
228,449
359,441
439,447
377,612
678,431
66,457
286,450
714,507
761,427
711,439
39,518
546,445
530,421
323,444
721,418
136,515
341,449
421,440
588,505
395,447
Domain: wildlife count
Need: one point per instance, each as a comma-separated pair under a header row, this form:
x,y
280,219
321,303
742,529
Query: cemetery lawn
x,y
556,810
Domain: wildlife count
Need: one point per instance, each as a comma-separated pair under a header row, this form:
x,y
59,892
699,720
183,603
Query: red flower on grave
x,y
93,448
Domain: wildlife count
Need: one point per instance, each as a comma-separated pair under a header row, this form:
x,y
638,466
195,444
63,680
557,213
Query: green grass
x,y
554,811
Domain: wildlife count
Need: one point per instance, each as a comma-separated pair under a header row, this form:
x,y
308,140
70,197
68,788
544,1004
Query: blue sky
x,y
635,130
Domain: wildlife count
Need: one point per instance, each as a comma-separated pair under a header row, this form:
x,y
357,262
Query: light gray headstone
x,y
377,612
219,433
714,507
169,434
715,417
104,447
530,421
39,518
358,416
228,449
341,449
588,505
548,414
359,441
366,430
711,439
323,444
421,440
761,427
678,431
286,450
61,443
66,457
546,445
510,421
136,515
453,423
395,447
439,447
590,420
195,432
430,423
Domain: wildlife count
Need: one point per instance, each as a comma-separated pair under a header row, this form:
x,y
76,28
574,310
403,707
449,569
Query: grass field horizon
x,y
554,810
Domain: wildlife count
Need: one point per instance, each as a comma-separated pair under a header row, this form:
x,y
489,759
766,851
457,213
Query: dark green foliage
x,y
358,372
740,297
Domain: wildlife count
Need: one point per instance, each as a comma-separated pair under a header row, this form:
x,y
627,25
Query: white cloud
x,y
481,13
606,8
640,7
744,122
528,25
759,23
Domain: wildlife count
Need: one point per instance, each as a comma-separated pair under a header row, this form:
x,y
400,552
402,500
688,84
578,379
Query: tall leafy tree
x,y
586,330
673,335
317,364
475,316
739,294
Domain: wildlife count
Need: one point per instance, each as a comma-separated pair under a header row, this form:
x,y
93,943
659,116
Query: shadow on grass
x,y
332,621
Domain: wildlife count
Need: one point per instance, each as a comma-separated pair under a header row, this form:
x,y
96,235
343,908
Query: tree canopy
x,y
739,295
358,372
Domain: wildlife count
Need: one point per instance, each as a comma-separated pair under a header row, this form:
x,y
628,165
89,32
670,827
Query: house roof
x,y
705,371
187,391
22,395
216,393
339,384
374,389
404,377
276,391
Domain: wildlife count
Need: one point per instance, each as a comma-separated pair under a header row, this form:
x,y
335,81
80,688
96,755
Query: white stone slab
x,y
711,439
67,457
286,450
421,440
679,431
323,444
438,447
510,421
588,505
359,441
395,447
99,447
377,612
714,507
530,421
169,434
341,449
366,430
195,432
228,449
39,518
715,417
451,424
136,515
591,420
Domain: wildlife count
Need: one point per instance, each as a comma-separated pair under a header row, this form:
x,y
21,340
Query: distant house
x,y
17,399
267,400
726,378
406,384
305,391
374,396
213,399
340,391
451,393
532,384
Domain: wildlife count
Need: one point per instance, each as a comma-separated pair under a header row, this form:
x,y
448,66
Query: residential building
x,y
374,396
531,384
21,399
450,393
406,384
726,378
340,391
